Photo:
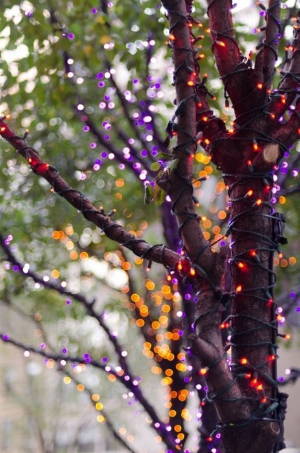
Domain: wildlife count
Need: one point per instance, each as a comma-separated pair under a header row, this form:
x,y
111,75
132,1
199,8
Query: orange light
x,y
239,288
259,86
206,141
191,83
255,147
243,361
221,43
192,272
259,202
241,265
172,37
203,371
250,193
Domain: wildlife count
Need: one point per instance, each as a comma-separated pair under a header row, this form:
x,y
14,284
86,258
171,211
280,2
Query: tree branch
x,y
267,56
178,184
156,422
289,85
225,47
87,120
113,230
75,380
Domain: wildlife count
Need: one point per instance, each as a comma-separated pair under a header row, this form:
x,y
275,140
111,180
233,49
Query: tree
x,y
224,285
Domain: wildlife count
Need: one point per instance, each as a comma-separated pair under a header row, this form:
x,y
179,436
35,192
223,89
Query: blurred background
x,y
92,83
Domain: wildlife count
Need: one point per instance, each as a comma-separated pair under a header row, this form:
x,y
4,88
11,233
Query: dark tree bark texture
x,y
232,290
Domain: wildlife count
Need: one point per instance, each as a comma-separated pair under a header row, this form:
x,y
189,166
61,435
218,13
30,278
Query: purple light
x,y
71,36
87,358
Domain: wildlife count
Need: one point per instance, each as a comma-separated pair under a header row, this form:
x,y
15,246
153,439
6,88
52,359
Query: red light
x,y
253,383
269,302
42,168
